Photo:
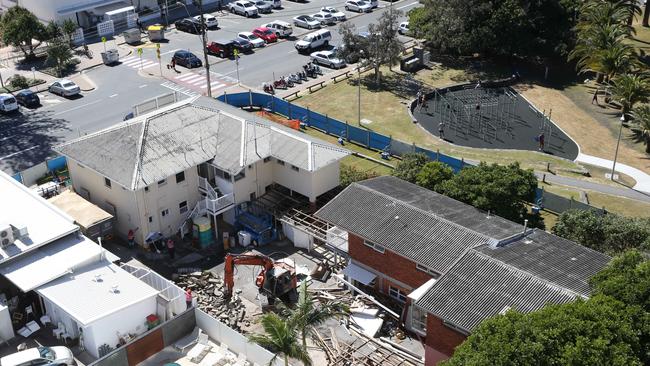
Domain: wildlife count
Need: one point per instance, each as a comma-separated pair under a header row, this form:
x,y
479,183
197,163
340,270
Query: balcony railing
x,y
217,206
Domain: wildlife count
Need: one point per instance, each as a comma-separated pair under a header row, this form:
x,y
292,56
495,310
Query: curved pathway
x,y
642,179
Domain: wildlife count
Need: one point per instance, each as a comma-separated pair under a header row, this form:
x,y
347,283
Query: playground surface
x,y
492,118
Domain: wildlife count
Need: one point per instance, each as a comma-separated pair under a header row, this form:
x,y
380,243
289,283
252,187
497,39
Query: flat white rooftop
x,y
96,291
22,207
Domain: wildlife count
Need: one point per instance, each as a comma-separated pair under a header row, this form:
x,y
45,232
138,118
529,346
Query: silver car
x,y
263,6
305,21
64,87
327,58
324,18
338,15
359,6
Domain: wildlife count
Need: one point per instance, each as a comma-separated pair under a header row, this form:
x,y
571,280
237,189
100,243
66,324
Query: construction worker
x,y
131,237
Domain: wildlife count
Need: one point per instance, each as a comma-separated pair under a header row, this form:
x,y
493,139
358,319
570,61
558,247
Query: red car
x,y
267,34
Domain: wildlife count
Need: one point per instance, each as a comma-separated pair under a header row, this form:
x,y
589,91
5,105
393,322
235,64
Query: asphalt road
x,y
26,137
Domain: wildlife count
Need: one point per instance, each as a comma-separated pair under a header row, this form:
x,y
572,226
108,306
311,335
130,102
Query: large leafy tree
x,y
641,116
600,331
433,174
409,167
501,189
497,28
280,337
349,174
59,54
20,28
627,279
606,233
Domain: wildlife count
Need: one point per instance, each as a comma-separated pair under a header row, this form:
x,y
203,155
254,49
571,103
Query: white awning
x,y
416,294
359,274
52,261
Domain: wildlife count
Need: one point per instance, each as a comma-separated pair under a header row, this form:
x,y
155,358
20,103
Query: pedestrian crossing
x,y
135,62
199,81
183,90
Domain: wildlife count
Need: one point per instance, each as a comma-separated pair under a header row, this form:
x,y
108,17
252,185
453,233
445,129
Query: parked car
x,y
187,59
373,3
281,28
324,18
403,28
243,7
28,98
8,103
242,45
210,21
327,58
305,21
338,15
314,40
64,88
188,25
276,4
222,49
250,37
263,6
359,6
40,356
267,34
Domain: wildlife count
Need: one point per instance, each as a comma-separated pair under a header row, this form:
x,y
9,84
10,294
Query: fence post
x,y
250,98
289,107
347,130
462,163
390,144
414,147
273,103
225,97
368,139
308,117
327,124
438,155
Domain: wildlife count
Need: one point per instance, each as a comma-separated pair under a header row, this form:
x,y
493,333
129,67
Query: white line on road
x,y
293,51
168,52
77,107
406,6
232,72
142,86
18,152
150,65
228,21
112,96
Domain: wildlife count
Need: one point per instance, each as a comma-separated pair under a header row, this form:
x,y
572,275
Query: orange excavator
x,y
277,279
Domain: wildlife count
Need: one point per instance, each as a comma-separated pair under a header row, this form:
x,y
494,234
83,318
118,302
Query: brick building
x,y
450,265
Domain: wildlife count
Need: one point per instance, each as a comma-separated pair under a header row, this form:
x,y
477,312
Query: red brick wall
x,y
388,263
441,338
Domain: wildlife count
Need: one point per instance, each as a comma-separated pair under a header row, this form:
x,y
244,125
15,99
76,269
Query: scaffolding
x,y
482,112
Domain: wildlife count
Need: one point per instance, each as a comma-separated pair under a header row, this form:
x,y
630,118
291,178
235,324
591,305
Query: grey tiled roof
x,y
429,228
479,287
167,141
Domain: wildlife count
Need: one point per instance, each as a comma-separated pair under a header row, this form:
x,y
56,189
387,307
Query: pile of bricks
x,y
208,289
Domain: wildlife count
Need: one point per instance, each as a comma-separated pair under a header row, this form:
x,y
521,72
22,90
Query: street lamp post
x,y
620,130
202,36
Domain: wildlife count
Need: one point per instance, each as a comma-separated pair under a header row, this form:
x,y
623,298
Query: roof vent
x,y
98,278
115,289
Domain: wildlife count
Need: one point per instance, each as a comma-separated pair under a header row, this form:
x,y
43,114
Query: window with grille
x,y
396,294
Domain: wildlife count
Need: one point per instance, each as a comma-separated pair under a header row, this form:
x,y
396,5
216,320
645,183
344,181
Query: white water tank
x,y
244,238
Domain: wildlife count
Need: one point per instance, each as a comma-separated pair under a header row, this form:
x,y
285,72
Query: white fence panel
x,y
78,36
106,28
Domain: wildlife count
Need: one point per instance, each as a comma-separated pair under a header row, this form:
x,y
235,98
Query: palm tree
x,y
642,119
307,315
615,60
630,89
592,43
646,14
280,337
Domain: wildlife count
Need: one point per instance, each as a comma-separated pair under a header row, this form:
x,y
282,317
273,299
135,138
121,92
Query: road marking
x,y
231,72
152,64
112,96
228,21
213,87
18,152
188,77
168,52
77,107
406,6
197,82
142,86
294,51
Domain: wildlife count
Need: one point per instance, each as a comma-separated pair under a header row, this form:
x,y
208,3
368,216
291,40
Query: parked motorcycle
x,y
295,79
288,82
268,88
302,75
280,84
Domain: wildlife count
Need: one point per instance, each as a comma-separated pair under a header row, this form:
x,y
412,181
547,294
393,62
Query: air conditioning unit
x,y
6,236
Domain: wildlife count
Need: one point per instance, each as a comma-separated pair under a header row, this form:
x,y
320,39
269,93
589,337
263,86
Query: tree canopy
x,y
496,28
608,233
409,167
433,174
501,189
19,27
627,279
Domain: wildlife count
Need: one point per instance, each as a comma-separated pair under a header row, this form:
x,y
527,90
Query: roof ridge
x,y
509,266
106,130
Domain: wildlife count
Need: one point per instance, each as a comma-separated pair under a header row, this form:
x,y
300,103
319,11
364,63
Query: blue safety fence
x,y
56,163
18,177
334,127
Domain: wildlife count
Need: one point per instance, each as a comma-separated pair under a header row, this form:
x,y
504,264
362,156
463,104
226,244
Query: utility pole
x,y
204,42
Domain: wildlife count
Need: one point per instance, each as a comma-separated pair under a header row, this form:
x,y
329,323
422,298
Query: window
x,y
150,219
396,294
419,319
162,182
241,175
250,167
146,189
280,162
374,246
295,168
183,207
180,177
267,159
426,269
107,182
164,212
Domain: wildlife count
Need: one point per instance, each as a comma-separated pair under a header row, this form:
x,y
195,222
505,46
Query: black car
x,y
188,25
242,45
187,59
28,98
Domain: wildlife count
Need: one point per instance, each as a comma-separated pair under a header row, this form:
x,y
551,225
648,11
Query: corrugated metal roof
x,y
422,236
479,287
169,140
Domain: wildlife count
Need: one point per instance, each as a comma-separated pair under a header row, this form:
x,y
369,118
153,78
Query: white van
x,y
314,40
55,356
8,103
281,28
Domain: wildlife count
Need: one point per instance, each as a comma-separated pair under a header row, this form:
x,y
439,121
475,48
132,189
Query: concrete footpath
x,y
642,179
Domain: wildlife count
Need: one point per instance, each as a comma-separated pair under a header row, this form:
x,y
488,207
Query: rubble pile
x,y
208,289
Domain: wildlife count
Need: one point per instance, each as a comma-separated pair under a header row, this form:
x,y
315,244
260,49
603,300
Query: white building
x,y
49,269
194,157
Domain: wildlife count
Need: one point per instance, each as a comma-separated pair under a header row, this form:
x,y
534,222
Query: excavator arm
x,y
244,259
